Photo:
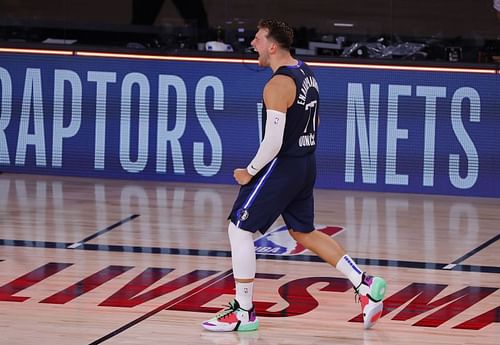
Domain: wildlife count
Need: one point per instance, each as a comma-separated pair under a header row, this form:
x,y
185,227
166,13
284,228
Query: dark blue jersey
x,y
285,186
301,123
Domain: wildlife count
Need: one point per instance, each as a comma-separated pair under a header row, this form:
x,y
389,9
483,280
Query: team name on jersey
x,y
307,83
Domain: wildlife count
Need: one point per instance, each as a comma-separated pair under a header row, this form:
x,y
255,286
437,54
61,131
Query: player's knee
x,y
300,237
237,235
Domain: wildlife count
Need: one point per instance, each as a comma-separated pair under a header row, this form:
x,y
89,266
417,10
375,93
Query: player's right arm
x,y
279,94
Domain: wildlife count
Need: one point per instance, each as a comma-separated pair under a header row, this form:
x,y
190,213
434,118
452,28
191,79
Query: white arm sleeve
x,y
271,144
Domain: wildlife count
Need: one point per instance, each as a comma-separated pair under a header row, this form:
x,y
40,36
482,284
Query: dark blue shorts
x,y
284,187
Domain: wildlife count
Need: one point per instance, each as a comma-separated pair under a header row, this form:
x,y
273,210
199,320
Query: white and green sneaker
x,y
371,292
233,318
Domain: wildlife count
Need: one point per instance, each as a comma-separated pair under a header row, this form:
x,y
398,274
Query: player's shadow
x,y
233,338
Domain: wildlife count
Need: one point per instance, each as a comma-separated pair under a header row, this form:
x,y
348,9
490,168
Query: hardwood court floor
x,y
90,261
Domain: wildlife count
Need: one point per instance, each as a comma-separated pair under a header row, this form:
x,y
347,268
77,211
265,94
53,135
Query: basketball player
x,y
279,181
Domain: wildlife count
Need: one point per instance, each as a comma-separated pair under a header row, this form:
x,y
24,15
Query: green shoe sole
x,y
378,288
249,327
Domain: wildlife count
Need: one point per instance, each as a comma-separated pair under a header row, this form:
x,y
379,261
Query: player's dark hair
x,y
279,31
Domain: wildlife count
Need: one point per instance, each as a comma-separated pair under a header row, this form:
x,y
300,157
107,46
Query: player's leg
x,y
240,313
371,290
244,264
257,206
299,217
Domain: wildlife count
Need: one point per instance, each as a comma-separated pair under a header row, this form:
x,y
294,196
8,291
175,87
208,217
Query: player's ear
x,y
273,47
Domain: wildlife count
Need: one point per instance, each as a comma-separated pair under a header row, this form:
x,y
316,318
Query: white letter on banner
x,y
32,95
5,113
463,137
163,134
125,122
208,127
368,143
431,93
259,119
101,79
394,133
59,131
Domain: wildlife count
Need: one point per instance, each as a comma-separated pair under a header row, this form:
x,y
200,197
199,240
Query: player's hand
x,y
242,176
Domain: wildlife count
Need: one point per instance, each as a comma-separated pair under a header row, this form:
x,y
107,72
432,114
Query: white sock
x,y
348,267
244,295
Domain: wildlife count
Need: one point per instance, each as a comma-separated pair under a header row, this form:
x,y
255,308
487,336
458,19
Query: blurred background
x,y
425,30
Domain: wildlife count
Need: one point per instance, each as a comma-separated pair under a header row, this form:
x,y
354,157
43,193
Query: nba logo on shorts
x,y
242,214
279,242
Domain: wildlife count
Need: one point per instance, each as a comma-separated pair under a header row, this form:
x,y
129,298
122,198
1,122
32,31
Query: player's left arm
x,y
279,94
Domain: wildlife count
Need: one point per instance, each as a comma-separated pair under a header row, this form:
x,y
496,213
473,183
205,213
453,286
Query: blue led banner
x,y
381,130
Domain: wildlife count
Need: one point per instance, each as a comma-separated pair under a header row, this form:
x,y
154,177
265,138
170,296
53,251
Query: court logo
x,y
419,304
279,242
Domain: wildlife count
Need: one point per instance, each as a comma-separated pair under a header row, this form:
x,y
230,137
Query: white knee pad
x,y
242,252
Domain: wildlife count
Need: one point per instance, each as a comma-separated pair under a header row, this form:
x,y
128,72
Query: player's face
x,y
261,44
